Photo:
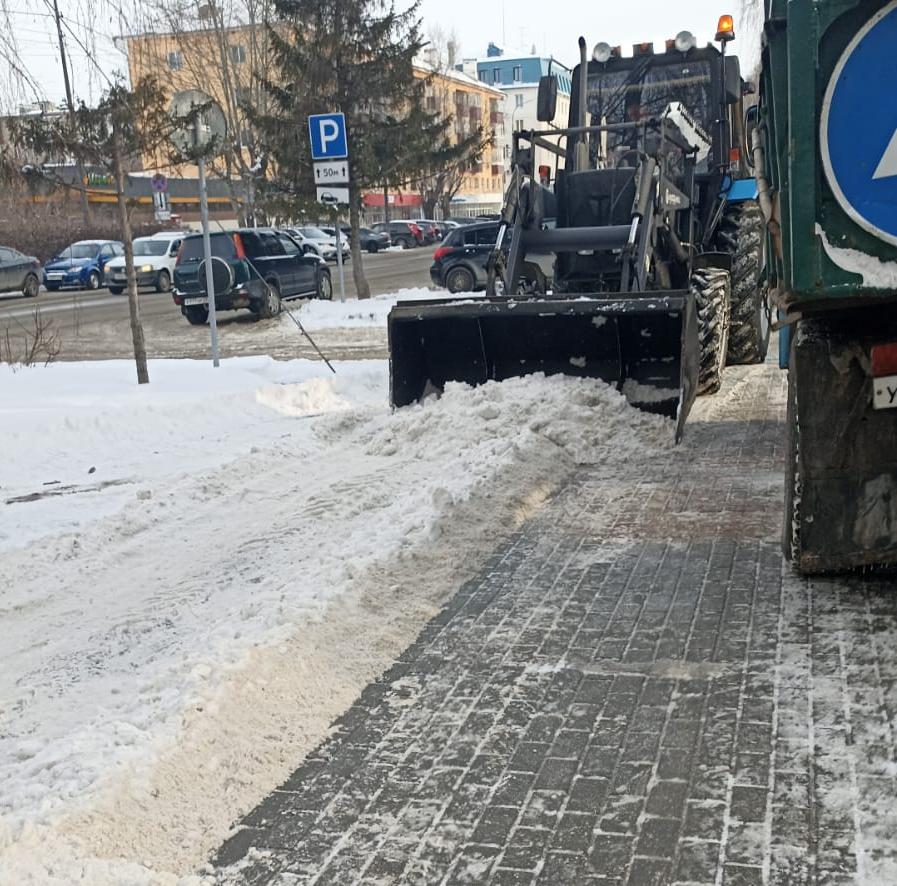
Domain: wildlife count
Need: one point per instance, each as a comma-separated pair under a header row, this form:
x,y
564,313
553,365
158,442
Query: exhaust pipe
x,y
582,146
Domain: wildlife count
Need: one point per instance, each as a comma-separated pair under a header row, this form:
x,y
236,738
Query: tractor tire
x,y
742,234
711,288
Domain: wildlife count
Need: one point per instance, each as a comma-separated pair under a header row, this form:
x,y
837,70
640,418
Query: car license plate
x,y
119,277
884,392
196,301
55,276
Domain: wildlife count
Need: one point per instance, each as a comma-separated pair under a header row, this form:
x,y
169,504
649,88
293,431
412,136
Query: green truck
x,y
824,148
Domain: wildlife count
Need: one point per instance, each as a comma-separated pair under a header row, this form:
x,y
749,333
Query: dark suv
x,y
406,234
252,268
459,264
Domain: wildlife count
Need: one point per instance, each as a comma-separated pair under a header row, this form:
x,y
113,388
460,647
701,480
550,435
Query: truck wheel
x,y
742,234
197,315
711,289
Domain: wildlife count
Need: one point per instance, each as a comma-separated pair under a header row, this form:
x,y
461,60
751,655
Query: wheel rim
x,y
457,276
93,280
273,301
32,287
326,287
164,281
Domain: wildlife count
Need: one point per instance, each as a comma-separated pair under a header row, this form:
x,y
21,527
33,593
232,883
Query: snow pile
x,y
353,312
176,641
73,430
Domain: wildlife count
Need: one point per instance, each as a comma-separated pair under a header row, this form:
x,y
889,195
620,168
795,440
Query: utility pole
x,y
85,207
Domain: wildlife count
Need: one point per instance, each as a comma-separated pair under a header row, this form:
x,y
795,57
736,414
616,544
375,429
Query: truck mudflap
x,y
841,482
646,345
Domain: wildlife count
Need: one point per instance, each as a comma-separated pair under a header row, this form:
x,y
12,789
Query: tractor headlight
x,y
602,52
685,41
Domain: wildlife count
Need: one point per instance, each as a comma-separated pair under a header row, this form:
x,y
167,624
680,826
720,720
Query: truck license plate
x,y
196,301
884,392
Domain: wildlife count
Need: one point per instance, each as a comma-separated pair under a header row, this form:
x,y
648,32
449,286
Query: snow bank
x,y
174,643
368,312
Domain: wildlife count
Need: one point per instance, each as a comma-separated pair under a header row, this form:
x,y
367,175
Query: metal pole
x,y
207,255
339,258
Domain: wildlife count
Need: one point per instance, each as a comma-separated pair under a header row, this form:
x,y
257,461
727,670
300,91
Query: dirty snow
x,y
175,640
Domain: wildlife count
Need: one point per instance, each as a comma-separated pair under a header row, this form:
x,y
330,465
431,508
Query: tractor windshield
x,y
645,91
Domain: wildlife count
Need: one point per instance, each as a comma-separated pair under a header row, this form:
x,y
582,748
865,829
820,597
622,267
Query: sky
x,y
515,24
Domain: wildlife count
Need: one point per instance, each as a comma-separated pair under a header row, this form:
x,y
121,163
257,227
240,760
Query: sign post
x,y
330,153
202,139
160,197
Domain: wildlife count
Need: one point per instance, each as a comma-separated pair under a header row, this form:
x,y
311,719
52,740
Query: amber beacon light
x,y
725,30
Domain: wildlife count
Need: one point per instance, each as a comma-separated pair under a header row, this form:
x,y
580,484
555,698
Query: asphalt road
x,y
95,325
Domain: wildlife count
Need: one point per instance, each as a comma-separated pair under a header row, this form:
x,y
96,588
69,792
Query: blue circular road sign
x,y
859,127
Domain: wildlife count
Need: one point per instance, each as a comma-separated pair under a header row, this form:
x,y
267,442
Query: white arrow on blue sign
x,y
328,136
859,127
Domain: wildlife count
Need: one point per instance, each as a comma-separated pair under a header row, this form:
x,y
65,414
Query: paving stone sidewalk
x,y
634,690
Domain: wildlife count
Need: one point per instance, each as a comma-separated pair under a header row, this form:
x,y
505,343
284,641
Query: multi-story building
x,y
226,63
518,78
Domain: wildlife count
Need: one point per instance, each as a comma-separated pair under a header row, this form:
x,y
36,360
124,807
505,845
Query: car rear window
x,y
222,246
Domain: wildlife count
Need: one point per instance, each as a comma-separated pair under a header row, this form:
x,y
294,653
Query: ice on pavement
x,y
207,526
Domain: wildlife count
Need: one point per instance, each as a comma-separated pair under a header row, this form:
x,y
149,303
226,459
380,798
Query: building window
x,y
175,60
518,100
238,54
496,75
518,73
482,76
243,95
518,126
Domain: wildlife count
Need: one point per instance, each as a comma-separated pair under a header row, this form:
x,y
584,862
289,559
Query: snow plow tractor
x,y
647,214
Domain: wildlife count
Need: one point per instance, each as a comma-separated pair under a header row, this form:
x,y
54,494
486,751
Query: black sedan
x,y
19,273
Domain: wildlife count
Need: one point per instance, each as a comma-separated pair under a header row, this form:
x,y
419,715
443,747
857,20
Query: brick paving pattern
x,y
634,690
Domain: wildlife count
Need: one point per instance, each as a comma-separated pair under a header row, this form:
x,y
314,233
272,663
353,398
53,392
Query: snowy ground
x,y
200,575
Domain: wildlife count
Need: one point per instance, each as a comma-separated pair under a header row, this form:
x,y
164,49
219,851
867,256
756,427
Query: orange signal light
x,y
725,30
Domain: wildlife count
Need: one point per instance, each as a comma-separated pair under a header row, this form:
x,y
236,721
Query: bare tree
x,y
223,48
125,124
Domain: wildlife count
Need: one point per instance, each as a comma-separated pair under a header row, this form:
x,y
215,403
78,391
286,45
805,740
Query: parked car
x,y
373,241
81,265
154,261
344,239
437,230
406,234
314,240
254,268
459,264
19,273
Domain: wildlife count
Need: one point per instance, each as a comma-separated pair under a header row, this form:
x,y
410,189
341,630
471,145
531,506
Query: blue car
x,y
81,265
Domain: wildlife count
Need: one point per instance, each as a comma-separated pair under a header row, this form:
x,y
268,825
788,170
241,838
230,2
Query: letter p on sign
x,y
327,133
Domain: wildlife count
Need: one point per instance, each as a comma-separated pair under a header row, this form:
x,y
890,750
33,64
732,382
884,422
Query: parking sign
x,y
328,136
